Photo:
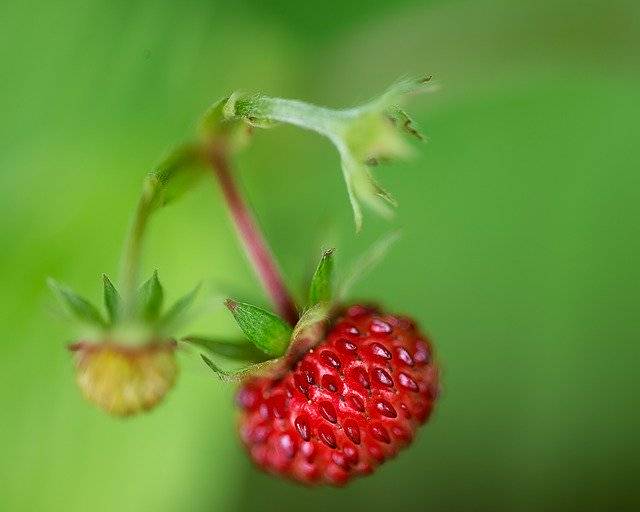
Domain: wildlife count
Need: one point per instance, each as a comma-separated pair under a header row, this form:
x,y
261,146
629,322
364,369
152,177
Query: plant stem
x,y
252,239
133,244
325,121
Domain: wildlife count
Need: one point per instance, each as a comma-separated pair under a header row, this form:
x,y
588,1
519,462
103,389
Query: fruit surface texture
x,y
125,380
349,404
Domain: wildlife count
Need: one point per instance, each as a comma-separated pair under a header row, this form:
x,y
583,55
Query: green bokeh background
x,y
519,253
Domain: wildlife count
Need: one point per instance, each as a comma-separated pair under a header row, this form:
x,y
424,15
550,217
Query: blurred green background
x,y
519,255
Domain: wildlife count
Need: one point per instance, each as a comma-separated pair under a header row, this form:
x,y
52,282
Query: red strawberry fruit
x,y
330,392
350,403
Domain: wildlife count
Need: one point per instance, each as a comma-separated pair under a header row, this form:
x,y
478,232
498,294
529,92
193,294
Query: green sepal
x,y
223,375
214,118
362,187
241,351
178,310
363,135
405,123
233,375
265,330
309,331
367,261
150,297
111,300
77,306
321,288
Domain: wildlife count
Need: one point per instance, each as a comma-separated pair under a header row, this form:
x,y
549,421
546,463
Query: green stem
x,y
133,245
325,121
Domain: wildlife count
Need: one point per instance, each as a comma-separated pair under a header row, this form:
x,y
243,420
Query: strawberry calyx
x,y
271,347
279,344
129,325
125,362
364,136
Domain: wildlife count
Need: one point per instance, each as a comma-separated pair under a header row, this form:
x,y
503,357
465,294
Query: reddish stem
x,y
252,239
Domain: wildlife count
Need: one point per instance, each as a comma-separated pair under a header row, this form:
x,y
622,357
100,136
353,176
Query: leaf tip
x,y
231,305
210,364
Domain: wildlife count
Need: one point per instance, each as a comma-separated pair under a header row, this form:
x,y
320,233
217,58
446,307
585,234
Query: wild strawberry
x,y
339,394
331,396
348,405
124,380
126,362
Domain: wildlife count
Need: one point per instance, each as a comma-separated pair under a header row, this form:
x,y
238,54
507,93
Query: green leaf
x,y
178,310
150,296
111,299
265,330
321,288
242,351
77,306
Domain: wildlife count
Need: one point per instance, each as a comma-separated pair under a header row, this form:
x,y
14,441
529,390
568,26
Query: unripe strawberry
x,y
126,362
125,380
349,404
